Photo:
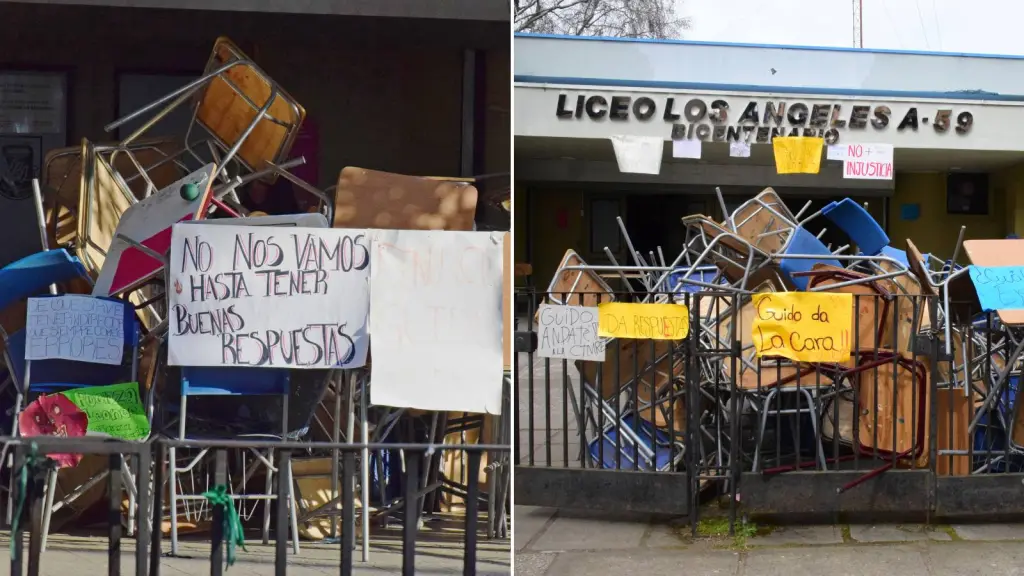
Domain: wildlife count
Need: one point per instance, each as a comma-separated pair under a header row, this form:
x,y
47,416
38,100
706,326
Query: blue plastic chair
x,y
230,381
41,376
897,255
854,220
803,242
55,375
991,434
705,274
31,276
627,450
34,274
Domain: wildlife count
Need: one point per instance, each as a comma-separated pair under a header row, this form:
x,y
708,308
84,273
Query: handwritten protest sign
x,y
74,327
999,287
803,326
268,297
643,321
797,154
436,320
569,332
868,161
114,410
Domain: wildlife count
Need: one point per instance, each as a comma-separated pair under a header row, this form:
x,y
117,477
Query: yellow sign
x,y
643,321
797,154
804,326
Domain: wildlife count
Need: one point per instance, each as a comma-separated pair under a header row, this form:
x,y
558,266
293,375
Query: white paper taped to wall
x,y
686,149
638,154
739,149
835,152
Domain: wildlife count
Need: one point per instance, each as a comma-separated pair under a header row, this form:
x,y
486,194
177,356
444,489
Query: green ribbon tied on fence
x,y
21,477
233,533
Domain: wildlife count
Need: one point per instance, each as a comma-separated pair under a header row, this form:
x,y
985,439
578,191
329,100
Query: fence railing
x,y
906,424
150,471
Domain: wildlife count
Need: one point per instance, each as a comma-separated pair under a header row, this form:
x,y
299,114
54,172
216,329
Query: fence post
x,y
348,502
412,509
935,350
158,507
735,473
472,510
17,526
220,478
144,462
284,458
35,503
336,439
692,416
114,514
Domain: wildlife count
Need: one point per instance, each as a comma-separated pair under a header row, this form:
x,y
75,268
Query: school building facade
x,y
952,119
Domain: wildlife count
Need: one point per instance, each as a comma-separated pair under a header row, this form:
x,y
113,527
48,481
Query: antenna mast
x,y
858,22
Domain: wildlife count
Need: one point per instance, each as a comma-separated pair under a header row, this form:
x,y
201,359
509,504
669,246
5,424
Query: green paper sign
x,y
114,410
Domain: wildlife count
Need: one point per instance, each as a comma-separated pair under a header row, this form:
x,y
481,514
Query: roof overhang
x,y
480,10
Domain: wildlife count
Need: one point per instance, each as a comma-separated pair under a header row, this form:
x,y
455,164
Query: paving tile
x,y
976,558
665,536
836,561
586,531
527,522
533,564
989,532
799,535
895,533
648,563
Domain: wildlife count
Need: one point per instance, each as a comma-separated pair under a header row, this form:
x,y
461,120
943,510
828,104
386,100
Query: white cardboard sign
x,y
686,149
569,332
638,154
739,149
436,320
268,297
868,162
75,327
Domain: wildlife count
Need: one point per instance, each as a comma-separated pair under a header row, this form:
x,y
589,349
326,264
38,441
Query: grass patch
x,y
713,527
949,530
718,529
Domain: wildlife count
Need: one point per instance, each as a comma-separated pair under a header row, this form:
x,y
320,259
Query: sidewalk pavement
x,y
559,542
71,555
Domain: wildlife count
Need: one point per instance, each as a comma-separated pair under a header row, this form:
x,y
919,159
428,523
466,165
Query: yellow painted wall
x,y
935,231
1011,181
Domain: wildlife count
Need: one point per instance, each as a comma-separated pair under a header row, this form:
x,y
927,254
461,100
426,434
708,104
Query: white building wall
x,y
742,67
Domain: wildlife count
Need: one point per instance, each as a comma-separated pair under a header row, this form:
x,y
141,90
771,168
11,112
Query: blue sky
x,y
974,26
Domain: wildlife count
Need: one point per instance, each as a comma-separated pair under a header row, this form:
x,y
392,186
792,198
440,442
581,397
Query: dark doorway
x,y
655,220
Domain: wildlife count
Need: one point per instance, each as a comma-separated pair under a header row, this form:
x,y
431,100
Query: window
x,y
604,230
33,122
967,194
137,90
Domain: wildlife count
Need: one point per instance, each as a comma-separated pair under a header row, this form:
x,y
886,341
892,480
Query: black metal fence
x,y
151,474
920,423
